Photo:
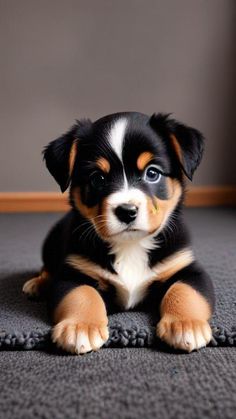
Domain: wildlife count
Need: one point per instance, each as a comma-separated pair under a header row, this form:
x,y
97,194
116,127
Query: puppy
x,y
124,244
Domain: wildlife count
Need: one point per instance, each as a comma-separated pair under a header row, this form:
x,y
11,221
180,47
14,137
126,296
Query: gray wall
x,y
66,59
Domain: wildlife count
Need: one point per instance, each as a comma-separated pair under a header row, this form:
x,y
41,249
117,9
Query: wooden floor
x,y
55,201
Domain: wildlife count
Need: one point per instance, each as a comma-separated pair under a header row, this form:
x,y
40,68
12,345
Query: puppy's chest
x,y
133,274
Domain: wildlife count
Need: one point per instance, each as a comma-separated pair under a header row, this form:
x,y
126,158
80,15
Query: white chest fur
x,y
131,266
133,275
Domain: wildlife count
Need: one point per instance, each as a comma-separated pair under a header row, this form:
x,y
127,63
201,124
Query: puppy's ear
x,y
60,154
186,142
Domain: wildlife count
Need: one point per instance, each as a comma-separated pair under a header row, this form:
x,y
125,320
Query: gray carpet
x,y
126,383
24,323
118,383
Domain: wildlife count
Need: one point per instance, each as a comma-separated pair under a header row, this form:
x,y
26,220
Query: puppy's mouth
x,y
131,228
128,231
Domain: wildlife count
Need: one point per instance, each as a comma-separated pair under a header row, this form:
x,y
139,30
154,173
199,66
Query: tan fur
x,y
97,214
184,318
103,277
72,157
87,212
160,209
184,302
36,286
163,271
101,221
103,164
173,264
81,321
143,159
92,270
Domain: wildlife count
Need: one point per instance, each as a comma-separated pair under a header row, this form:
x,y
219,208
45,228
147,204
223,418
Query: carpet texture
x,y
118,383
24,323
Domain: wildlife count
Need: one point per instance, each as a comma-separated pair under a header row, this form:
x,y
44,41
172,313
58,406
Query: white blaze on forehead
x,y
116,136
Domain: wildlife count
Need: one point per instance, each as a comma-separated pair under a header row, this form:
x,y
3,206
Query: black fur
x,y
56,153
191,141
70,235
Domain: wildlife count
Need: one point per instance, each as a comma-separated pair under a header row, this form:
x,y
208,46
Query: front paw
x,y
186,335
79,338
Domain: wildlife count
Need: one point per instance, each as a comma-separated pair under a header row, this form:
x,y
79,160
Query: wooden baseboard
x,y
211,196
33,202
55,202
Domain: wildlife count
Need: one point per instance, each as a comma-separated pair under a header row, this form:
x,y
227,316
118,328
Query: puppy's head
x,y
125,171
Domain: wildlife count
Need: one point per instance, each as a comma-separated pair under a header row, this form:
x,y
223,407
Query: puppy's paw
x,y
32,287
184,334
79,338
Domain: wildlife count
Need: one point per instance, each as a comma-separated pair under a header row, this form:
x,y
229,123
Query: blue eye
x,y
152,174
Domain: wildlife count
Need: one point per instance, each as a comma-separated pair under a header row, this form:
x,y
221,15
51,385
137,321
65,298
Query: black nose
x,y
126,213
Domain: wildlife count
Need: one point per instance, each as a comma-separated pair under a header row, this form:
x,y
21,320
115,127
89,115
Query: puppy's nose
x,y
126,213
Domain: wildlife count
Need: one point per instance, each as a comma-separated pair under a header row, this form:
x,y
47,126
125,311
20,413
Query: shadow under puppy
x,y
124,243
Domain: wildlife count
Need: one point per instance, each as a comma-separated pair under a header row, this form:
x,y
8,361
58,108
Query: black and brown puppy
x,y
124,243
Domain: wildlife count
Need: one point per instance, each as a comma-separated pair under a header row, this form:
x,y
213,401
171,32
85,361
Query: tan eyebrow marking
x,y
103,164
143,159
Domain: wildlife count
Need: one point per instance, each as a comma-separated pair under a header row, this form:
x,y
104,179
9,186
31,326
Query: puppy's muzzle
x,y
126,213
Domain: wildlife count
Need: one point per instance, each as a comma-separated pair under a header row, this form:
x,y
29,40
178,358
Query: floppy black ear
x,y
187,142
60,154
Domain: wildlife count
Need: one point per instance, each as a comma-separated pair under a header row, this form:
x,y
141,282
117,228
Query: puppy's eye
x,y
97,180
152,174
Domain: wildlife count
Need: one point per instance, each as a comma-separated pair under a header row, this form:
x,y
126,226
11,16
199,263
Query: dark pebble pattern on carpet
x,y
24,324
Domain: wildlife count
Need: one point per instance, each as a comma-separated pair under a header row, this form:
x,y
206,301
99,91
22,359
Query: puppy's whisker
x,y
100,216
81,226
87,232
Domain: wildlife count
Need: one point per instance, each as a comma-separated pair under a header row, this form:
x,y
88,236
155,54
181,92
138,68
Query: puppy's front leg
x,y
184,318
81,321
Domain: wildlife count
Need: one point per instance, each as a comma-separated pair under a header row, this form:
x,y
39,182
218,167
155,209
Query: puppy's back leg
x,y
37,286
